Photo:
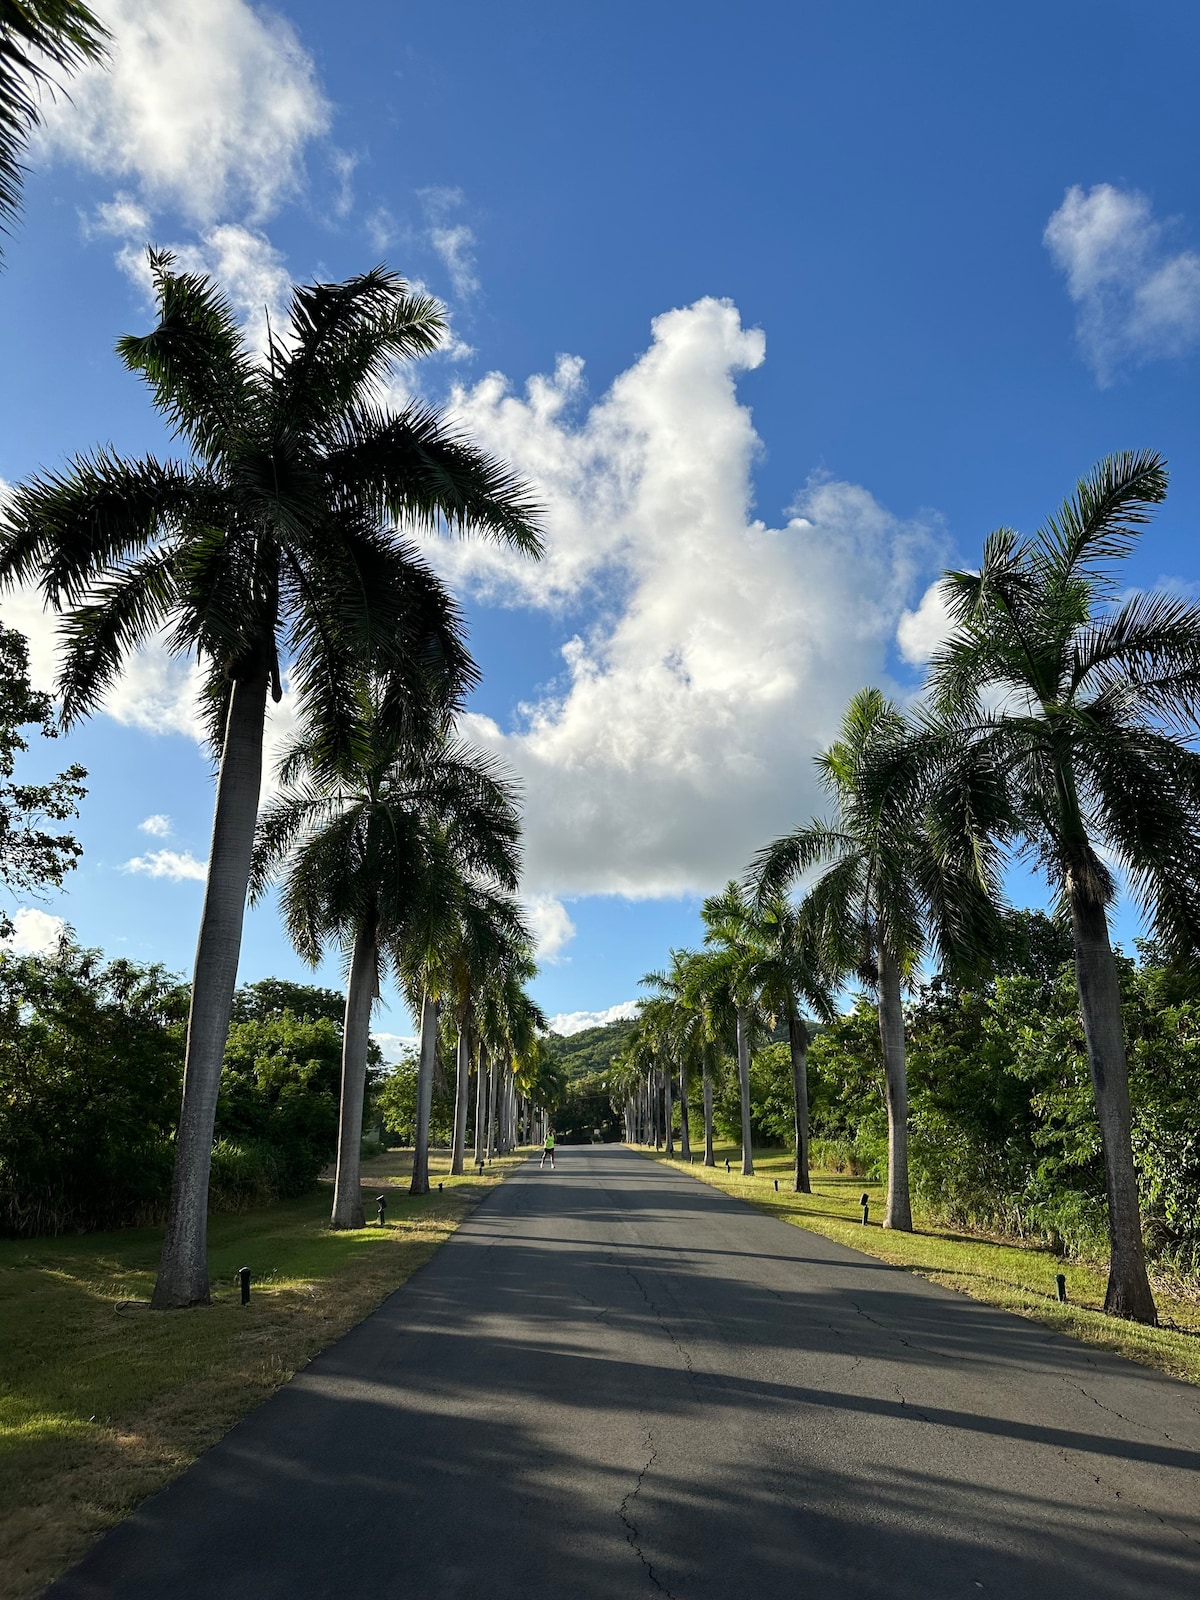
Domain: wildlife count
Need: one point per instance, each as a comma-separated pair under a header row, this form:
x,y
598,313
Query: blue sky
x,y
782,309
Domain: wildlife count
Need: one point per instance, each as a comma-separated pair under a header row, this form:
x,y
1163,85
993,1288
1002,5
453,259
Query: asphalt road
x,y
615,1381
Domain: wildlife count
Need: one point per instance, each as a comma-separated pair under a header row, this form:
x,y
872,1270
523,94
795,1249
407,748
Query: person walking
x,y
548,1149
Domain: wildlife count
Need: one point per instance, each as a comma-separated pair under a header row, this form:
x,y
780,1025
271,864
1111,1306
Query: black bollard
x,y
865,1203
776,1185
381,1207
1060,1283
726,1163
439,1188
244,1284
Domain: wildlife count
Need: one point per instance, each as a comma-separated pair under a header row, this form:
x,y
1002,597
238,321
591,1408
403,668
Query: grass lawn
x,y
1003,1274
102,1401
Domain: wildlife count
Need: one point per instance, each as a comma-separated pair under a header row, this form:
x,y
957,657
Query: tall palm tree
x,y
886,889
275,545
729,971
37,37
359,851
790,973
1078,700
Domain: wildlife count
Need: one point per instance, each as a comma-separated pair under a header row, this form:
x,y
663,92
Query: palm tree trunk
x,y
183,1268
743,1057
709,1159
1128,1293
668,1112
898,1212
685,1137
491,1109
429,1043
798,1043
356,1036
480,1105
462,1093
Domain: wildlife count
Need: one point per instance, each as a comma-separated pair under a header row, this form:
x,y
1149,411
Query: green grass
x,y
1017,1277
102,1401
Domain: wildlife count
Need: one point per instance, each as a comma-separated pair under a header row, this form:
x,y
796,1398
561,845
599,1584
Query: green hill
x,y
592,1050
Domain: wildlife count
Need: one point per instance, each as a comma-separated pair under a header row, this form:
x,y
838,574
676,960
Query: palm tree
x,y
887,886
353,849
275,545
789,973
36,36
728,974
1076,699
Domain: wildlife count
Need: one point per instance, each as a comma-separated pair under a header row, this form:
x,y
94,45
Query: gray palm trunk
x,y
709,1159
668,1113
490,1144
685,1137
356,1035
425,1069
462,1091
480,1105
798,1044
898,1211
743,1059
1128,1293
183,1268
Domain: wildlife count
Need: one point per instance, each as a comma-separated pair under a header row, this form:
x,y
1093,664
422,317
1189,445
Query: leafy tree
x,y
268,998
31,857
275,545
36,37
1076,700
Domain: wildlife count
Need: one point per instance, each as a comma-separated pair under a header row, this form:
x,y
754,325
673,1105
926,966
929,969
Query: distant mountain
x,y
591,1050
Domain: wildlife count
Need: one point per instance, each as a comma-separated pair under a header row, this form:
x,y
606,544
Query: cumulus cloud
x,y
157,826
722,653
551,926
204,109
568,1022
920,632
175,865
453,240
396,1046
1136,299
35,933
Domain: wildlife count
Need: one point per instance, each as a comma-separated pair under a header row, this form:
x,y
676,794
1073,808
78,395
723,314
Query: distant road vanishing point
x,y
615,1381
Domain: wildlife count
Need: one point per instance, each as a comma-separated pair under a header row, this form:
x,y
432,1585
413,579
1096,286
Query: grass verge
x,y
1016,1277
103,1402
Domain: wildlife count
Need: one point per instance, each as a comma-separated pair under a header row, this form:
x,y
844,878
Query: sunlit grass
x,y
103,1401
1013,1276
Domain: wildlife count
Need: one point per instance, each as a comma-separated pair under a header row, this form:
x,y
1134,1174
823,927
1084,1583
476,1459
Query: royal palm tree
x,y
37,38
276,546
1078,699
727,977
790,973
886,889
359,853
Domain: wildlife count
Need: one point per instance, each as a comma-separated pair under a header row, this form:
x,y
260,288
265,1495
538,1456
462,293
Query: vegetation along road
x,y
615,1381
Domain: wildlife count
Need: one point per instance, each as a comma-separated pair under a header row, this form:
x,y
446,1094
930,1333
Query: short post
x,y
439,1188
1060,1283
381,1207
244,1284
776,1185
865,1202
479,1164
726,1163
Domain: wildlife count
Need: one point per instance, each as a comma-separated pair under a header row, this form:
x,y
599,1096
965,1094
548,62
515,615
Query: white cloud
x,y
205,109
551,926
453,241
920,632
1136,299
568,1022
35,933
178,866
382,229
158,825
723,651
396,1045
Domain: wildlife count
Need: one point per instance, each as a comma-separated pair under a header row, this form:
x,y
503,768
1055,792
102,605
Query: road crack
x,y
632,1536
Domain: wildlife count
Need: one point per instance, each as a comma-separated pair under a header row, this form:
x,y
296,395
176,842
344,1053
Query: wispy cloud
x,y
453,240
175,865
1136,298
158,825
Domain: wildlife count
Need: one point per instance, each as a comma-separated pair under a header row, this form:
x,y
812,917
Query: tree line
x,y
1055,726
